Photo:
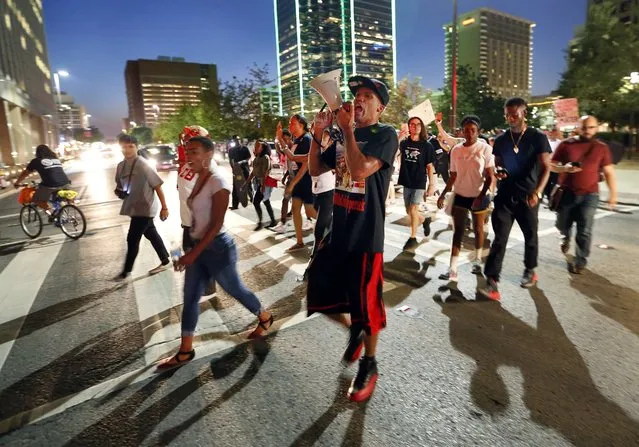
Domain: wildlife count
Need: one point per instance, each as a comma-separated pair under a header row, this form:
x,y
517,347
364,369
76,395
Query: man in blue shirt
x,y
522,157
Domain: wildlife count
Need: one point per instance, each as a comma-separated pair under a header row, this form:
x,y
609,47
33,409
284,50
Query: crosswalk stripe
x,y
26,274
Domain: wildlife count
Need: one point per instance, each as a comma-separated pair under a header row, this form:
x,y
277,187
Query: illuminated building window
x,y
7,21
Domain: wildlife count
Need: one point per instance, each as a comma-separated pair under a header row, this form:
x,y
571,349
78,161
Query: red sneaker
x,y
363,384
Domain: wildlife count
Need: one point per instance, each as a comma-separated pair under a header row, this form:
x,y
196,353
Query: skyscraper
x,y
627,10
26,102
315,37
156,89
496,45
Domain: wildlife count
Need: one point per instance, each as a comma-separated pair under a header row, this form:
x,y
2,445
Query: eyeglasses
x,y
414,125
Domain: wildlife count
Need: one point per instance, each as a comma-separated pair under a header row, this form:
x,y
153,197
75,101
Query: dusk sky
x,y
93,40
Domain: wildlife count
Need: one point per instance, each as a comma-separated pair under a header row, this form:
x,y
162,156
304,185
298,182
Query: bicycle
x,y
65,214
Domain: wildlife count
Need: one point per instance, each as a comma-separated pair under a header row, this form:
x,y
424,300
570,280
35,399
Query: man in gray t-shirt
x,y
136,183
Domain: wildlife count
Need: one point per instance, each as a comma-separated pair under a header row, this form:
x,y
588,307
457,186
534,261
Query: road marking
x,y
26,274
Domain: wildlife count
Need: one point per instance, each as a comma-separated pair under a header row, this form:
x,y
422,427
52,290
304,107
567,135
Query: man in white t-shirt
x,y
185,183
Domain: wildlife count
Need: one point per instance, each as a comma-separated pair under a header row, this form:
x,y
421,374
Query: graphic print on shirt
x,y
187,173
349,194
412,154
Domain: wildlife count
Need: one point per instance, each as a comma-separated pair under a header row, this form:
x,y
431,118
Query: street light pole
x,y
453,118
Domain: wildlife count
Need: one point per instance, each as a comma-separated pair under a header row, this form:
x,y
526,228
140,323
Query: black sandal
x,y
178,362
262,324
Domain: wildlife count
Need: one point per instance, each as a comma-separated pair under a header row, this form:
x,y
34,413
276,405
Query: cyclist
x,y
53,177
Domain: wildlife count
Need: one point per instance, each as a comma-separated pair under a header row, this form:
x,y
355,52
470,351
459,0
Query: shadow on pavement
x,y
26,325
615,302
354,432
408,274
87,364
127,425
558,388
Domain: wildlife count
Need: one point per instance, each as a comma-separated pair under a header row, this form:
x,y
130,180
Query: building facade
x,y
156,89
70,115
314,37
496,45
27,110
626,10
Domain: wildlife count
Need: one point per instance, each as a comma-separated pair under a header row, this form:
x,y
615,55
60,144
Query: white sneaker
x,y
159,268
280,228
307,225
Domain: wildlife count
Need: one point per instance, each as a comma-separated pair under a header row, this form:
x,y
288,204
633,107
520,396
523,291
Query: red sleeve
x,y
606,157
560,153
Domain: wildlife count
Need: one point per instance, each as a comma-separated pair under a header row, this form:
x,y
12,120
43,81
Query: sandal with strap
x,y
262,324
167,363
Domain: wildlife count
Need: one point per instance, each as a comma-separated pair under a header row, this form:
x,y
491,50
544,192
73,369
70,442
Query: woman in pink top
x,y
471,174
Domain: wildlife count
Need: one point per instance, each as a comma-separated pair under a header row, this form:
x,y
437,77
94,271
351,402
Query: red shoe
x,y
529,279
491,291
363,384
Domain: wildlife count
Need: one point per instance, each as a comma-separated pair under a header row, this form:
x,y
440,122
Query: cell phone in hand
x,y
576,164
501,170
439,116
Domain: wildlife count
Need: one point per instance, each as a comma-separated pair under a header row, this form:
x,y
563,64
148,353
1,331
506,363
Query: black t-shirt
x,y
302,146
442,158
523,167
416,155
50,170
359,207
238,154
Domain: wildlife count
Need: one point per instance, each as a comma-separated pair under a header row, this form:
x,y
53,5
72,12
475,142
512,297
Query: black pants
x,y
257,200
323,204
235,195
507,210
143,226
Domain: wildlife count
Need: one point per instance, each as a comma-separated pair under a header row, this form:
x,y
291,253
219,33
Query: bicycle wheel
x,y
31,221
72,221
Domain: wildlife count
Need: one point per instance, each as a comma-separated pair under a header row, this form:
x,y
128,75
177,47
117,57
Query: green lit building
x,y
496,45
318,36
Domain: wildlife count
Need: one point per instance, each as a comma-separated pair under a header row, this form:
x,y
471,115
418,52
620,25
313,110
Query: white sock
x,y
478,254
453,263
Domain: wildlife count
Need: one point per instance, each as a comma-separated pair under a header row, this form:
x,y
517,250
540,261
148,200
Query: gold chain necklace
x,y
516,148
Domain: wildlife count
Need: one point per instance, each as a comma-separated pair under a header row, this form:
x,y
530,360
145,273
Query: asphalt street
x,y
554,365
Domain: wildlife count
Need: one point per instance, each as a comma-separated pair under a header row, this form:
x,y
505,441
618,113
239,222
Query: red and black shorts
x,y
348,283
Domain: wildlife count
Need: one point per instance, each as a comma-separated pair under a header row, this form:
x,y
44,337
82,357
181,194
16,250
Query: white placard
x,y
424,111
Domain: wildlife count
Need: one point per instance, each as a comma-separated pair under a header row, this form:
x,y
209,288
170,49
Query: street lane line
x,y
26,273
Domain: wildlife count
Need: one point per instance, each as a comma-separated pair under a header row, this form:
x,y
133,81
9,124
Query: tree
x,y
407,94
475,97
144,135
603,53
234,109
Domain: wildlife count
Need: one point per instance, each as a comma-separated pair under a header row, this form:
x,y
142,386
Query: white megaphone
x,y
327,85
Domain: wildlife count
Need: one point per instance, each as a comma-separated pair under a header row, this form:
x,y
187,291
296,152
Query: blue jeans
x,y
219,262
580,210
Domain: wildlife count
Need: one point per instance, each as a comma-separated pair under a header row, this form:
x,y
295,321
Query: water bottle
x,y
176,253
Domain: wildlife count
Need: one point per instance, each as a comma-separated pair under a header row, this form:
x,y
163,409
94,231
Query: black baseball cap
x,y
375,85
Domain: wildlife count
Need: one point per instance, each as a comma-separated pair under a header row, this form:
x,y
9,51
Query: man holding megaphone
x,y
345,278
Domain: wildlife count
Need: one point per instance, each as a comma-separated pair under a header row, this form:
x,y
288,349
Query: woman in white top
x,y
471,174
214,255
